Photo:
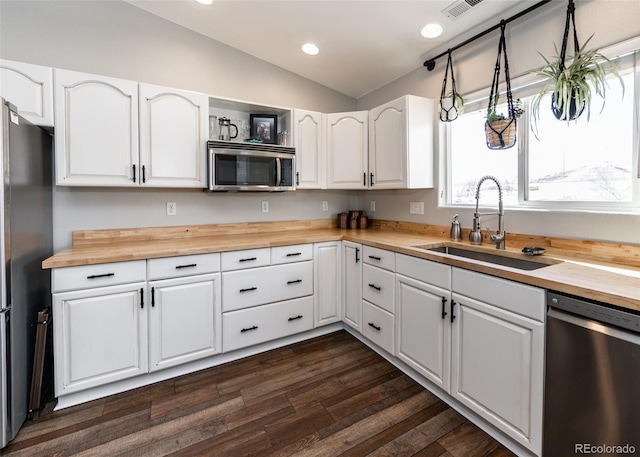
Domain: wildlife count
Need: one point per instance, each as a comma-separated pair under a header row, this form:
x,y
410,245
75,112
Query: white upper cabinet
x,y
347,150
99,141
173,137
311,151
401,144
96,136
30,88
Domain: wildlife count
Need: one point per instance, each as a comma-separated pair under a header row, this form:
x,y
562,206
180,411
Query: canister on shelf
x,y
363,222
342,220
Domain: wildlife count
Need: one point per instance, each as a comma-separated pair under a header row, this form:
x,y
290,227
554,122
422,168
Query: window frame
x,y
628,53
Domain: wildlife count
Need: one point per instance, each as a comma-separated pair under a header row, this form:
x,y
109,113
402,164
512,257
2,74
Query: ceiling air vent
x,y
457,9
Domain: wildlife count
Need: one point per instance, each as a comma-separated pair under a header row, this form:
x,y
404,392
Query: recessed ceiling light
x,y
205,2
432,30
310,48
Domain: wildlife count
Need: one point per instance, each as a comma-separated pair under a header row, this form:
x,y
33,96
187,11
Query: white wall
x,y
612,21
116,39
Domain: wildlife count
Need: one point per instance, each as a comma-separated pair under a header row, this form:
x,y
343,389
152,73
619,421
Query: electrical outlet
x,y
416,208
372,206
265,206
172,208
325,206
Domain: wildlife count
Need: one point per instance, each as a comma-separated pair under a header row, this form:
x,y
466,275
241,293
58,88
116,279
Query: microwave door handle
x,y
278,172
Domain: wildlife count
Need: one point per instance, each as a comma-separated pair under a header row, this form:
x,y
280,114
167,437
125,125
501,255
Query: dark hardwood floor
x,y
329,396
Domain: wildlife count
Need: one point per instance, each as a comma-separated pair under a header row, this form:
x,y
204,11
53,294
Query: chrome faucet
x,y
475,237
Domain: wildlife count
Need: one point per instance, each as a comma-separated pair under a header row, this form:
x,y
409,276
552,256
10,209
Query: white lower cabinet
x,y
424,329
352,283
497,358
327,282
250,326
184,320
378,326
100,336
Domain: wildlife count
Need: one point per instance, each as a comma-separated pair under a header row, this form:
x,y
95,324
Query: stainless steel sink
x,y
499,259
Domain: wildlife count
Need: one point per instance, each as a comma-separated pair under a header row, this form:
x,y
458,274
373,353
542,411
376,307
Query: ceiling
x,y
363,44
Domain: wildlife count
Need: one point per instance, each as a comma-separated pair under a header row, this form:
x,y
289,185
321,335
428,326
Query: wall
x,y
116,39
612,21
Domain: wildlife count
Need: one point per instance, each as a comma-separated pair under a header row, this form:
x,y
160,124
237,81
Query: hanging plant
x,y
451,102
573,86
500,129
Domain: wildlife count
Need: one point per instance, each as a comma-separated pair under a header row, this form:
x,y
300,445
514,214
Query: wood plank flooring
x,y
329,396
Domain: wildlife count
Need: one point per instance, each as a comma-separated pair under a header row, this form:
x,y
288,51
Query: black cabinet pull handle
x,y
105,275
295,318
249,289
371,179
191,265
255,327
375,257
357,255
371,324
297,178
293,254
134,173
295,281
248,259
444,301
373,286
141,298
364,179
153,297
144,176
453,316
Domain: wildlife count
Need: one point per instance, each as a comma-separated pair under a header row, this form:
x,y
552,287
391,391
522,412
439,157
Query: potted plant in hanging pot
x,y
451,102
573,86
500,129
451,106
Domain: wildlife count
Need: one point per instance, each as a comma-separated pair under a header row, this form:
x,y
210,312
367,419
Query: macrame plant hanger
x,y
450,103
571,112
501,133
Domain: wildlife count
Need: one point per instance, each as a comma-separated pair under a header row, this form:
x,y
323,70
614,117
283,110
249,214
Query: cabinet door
x,y
352,285
184,320
497,368
100,336
423,329
311,151
388,145
30,88
173,137
96,136
347,149
328,283
401,144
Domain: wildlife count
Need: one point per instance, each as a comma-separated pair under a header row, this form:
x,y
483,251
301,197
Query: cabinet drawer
x,y
427,271
257,286
378,326
101,275
267,322
186,265
379,257
294,253
249,258
515,297
378,286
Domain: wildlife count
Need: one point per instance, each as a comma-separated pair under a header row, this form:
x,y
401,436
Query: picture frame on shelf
x,y
264,127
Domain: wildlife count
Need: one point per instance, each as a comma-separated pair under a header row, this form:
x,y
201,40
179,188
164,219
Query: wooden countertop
x,y
569,272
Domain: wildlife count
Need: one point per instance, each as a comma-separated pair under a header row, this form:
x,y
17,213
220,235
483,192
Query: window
x,y
576,165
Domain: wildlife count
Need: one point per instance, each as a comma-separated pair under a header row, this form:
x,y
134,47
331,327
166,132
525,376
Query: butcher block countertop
x,y
607,272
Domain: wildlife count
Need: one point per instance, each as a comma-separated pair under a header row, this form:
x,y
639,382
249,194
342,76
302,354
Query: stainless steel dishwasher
x,y
592,379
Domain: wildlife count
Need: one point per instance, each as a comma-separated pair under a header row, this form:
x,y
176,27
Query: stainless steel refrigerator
x,y
27,239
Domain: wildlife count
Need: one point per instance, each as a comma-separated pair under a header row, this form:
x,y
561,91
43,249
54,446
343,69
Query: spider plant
x,y
573,86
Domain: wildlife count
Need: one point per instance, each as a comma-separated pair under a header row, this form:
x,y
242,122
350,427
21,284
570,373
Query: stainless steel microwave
x,y
250,167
